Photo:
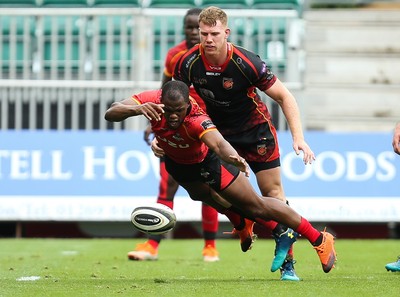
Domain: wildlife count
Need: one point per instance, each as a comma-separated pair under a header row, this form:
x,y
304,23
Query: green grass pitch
x,y
99,267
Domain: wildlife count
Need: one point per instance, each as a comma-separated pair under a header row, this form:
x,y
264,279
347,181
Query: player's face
x,y
175,112
213,39
191,29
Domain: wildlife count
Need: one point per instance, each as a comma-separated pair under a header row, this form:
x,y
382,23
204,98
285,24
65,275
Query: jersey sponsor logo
x,y
213,73
215,67
189,62
199,81
206,124
269,75
261,149
227,83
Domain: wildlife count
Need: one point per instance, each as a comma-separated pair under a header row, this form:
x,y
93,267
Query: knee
x,y
277,193
197,198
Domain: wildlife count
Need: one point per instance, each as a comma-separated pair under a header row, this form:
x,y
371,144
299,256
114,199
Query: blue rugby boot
x,y
287,271
283,243
393,267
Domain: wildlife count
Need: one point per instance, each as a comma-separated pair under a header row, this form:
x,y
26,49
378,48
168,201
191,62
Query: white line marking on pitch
x,y
69,253
27,278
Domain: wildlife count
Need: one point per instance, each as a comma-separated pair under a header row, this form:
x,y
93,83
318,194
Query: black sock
x,y
319,240
279,229
156,237
241,225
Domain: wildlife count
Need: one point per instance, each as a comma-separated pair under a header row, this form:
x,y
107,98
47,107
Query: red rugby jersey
x,y
183,145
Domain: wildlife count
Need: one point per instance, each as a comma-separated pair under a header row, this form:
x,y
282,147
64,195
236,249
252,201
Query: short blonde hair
x,y
211,15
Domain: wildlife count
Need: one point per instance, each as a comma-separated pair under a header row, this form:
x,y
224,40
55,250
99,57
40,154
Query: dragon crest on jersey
x,y
261,149
227,83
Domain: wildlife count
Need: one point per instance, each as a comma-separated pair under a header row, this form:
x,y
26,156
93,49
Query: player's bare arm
x,y
279,93
147,133
124,109
396,139
215,141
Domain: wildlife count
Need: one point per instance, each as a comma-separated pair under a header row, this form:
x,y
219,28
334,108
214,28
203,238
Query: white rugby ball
x,y
153,218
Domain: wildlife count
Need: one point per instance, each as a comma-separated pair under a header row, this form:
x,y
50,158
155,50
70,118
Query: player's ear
x,y
227,33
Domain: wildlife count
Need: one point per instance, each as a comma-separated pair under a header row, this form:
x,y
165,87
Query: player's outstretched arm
x,y
216,142
121,110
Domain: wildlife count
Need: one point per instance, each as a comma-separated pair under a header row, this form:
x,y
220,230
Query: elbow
x,y
111,114
107,116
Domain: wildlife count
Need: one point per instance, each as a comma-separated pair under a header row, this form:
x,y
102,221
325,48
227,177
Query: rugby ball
x,y
153,219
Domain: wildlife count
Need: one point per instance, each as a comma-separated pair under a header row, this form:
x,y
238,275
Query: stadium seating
x,y
14,49
65,50
276,4
329,4
167,32
110,50
226,4
60,24
12,53
296,5
63,3
110,56
270,26
18,3
170,3
269,42
111,24
64,43
115,3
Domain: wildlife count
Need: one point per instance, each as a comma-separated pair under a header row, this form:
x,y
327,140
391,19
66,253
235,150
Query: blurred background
x,y
66,172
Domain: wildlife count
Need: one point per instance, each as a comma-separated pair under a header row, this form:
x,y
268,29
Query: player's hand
x,y
241,164
147,133
308,156
151,111
396,139
157,151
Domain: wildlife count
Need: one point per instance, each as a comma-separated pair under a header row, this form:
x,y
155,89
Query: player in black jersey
x,y
227,77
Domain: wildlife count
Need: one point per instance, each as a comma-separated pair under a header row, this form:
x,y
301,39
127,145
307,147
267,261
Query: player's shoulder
x,y
199,118
191,53
177,48
148,96
244,52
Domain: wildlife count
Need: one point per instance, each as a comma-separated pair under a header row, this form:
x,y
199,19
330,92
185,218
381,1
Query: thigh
x,y
200,191
270,183
242,195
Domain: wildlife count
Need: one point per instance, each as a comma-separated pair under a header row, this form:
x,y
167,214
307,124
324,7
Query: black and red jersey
x,y
230,90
